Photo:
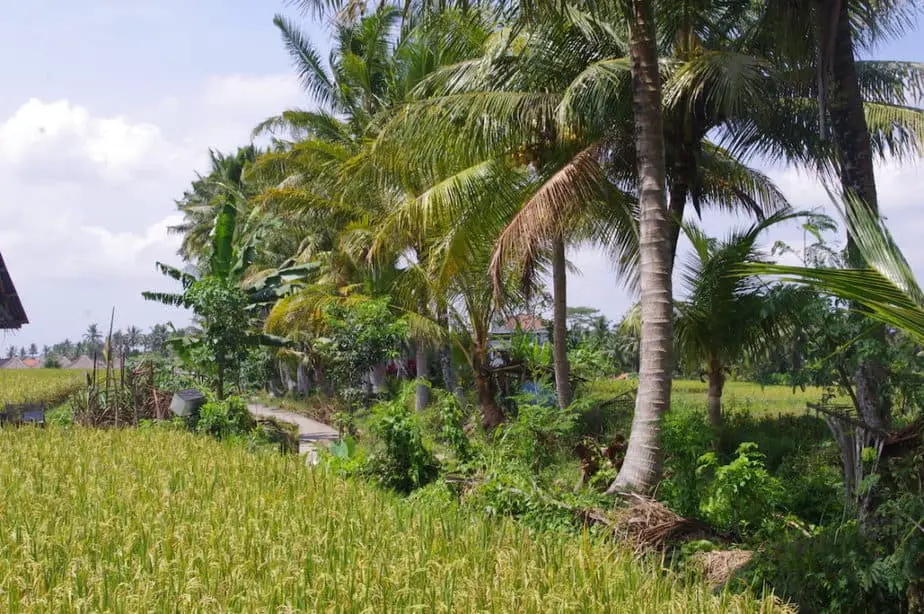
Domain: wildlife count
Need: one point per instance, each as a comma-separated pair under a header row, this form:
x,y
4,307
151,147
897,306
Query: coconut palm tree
x,y
93,337
727,317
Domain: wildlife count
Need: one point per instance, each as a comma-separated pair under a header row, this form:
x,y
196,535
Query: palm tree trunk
x,y
422,390
445,357
492,415
642,465
851,135
377,375
714,394
560,323
678,201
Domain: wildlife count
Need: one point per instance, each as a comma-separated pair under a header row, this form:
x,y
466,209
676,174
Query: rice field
x,y
150,520
741,396
38,385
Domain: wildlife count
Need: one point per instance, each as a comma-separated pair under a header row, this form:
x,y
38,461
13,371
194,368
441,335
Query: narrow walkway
x,y
309,431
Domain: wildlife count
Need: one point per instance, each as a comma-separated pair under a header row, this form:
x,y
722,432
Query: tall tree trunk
x,y
301,379
714,394
422,390
560,323
678,201
492,415
642,465
220,384
445,357
377,375
855,153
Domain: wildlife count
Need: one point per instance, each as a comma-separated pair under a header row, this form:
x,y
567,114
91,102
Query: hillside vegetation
x,y
151,520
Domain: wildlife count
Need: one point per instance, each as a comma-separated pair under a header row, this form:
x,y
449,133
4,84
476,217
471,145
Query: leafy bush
x,y
537,429
741,495
834,571
452,418
360,336
404,462
588,361
685,437
226,418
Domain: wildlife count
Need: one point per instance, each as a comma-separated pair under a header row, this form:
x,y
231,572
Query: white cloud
x,y
252,92
88,197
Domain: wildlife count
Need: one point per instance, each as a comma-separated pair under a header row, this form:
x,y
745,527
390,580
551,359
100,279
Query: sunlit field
x,y
38,385
750,397
738,396
150,520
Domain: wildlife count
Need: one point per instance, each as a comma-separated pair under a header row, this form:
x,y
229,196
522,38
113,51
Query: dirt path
x,y
309,431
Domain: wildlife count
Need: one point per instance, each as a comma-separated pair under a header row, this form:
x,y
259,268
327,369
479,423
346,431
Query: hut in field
x,y
13,363
12,315
81,362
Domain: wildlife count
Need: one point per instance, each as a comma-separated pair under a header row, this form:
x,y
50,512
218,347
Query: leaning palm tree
x,y
725,317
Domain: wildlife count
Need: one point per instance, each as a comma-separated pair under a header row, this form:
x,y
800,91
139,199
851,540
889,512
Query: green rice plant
x,y
152,520
51,386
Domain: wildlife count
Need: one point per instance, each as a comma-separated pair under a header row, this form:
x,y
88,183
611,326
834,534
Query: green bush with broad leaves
x,y
741,496
225,418
402,460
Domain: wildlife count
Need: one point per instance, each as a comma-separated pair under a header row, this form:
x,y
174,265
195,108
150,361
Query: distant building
x,y
12,315
13,363
530,325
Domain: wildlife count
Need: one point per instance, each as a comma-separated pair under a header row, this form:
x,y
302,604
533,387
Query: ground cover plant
x,y
154,520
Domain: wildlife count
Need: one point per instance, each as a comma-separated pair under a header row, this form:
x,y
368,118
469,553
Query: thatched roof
x,y
13,363
81,362
12,315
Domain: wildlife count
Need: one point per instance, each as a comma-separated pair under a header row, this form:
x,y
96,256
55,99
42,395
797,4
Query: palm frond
x,y
311,74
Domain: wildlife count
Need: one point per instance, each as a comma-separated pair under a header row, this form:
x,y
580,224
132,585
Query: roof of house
x,y
13,363
526,323
12,315
32,362
81,362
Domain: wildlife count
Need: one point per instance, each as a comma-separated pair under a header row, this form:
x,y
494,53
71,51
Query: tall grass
x,y
38,385
146,520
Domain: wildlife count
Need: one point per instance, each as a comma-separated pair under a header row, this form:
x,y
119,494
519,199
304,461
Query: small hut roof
x,y
13,363
12,315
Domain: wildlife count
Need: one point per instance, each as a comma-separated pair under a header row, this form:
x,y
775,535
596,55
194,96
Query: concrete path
x,y
309,431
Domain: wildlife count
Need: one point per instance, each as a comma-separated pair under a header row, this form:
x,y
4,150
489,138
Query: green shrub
x,y
536,432
742,495
452,418
685,437
404,462
223,419
834,571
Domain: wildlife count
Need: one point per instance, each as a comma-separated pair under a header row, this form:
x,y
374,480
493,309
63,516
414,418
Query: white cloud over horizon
x,y
88,198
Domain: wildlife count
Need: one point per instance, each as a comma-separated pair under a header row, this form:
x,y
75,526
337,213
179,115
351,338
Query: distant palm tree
x,y
33,350
727,317
133,338
93,337
11,351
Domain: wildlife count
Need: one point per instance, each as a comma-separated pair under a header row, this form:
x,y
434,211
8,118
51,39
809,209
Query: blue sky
x,y
109,107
